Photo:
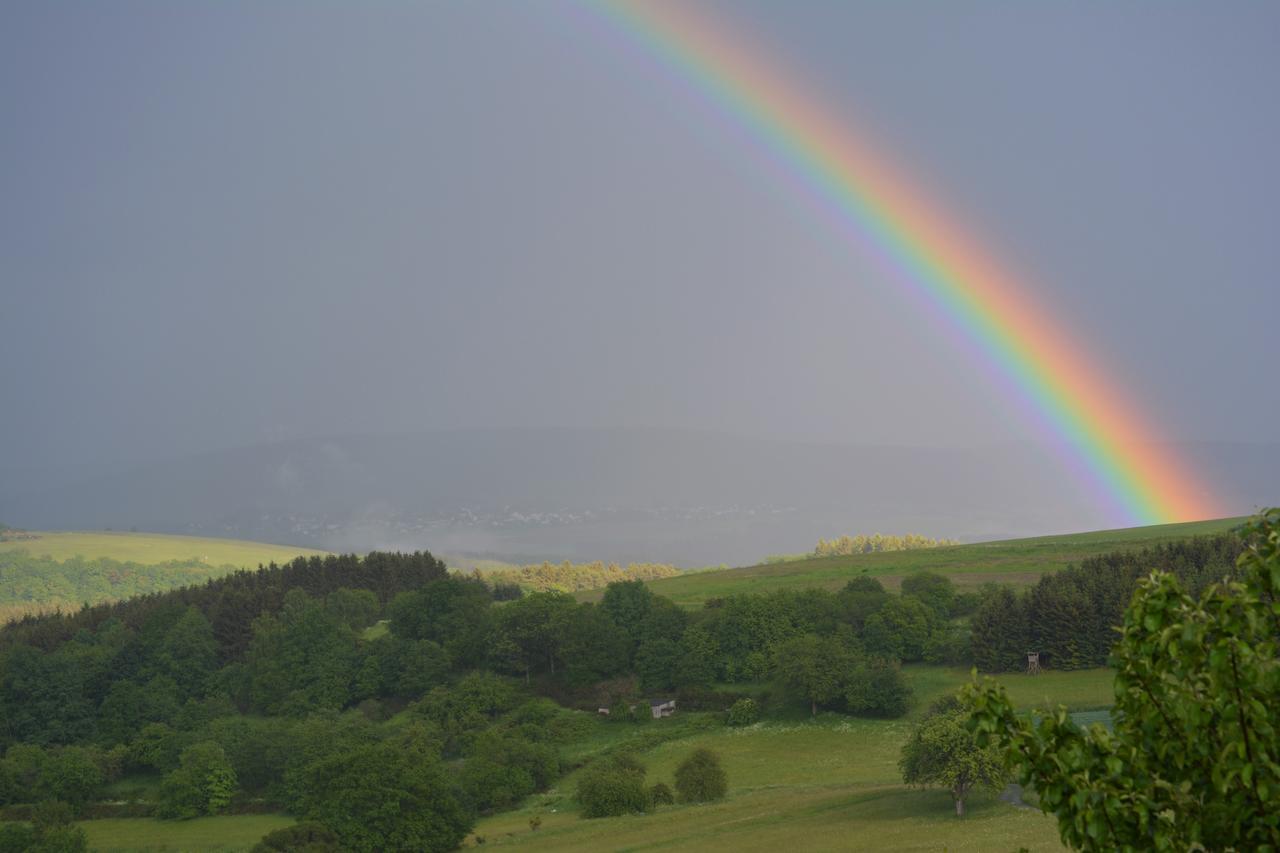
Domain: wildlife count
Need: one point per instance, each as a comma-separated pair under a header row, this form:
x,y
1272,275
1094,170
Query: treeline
x,y
572,577
233,601
31,584
1070,617
845,546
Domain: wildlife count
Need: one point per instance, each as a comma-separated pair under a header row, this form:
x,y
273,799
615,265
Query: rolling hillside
x,y
152,548
1013,561
44,571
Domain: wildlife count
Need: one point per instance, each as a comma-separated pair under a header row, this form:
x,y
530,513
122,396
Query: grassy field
x,y
827,784
151,548
1014,561
232,833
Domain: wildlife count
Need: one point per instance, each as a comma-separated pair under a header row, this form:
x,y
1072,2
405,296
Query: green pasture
x,y
147,835
825,784
1013,561
150,548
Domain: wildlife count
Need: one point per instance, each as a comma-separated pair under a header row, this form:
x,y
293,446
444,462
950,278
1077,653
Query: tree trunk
x,y
957,794
813,708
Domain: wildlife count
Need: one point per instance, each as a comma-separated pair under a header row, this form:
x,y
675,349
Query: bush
x,y
700,778
611,788
744,712
878,689
386,796
51,831
661,795
202,784
307,837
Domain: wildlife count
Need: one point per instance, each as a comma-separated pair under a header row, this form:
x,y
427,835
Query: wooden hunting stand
x,y
1033,663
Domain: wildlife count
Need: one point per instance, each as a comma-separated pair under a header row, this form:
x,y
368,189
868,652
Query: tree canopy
x,y
1194,760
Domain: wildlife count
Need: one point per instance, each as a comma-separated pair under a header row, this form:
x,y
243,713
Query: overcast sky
x,y
225,223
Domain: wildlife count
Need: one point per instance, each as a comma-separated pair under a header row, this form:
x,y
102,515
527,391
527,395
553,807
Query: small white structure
x,y
604,712
662,708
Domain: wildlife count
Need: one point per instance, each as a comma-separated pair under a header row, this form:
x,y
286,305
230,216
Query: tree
x,y
744,712
355,608
700,778
532,630
385,796
661,795
877,688
51,831
817,668
1194,760
202,785
70,775
933,590
942,751
612,787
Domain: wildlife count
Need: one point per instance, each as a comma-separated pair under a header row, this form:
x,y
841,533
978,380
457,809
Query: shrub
x,y
878,689
744,712
202,784
661,795
611,788
308,837
700,778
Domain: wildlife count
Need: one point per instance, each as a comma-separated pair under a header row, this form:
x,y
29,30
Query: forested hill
x,y
232,602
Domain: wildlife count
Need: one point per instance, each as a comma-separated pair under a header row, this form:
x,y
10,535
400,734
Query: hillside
x,y
41,571
152,548
1010,561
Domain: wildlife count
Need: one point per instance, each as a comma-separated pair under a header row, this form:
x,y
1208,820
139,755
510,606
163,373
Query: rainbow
x,y
1106,442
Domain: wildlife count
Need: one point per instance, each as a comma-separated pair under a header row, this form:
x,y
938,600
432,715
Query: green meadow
x,y
151,548
1013,561
826,784
201,835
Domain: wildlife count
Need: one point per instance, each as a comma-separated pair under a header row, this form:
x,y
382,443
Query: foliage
x,y
1194,760
201,785
308,837
844,546
935,591
386,796
815,667
612,787
744,712
942,751
700,778
877,688
1070,616
51,831
661,795
571,577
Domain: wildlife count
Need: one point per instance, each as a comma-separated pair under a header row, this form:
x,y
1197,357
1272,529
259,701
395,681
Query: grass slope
x,y
829,784
151,548
204,834
1014,561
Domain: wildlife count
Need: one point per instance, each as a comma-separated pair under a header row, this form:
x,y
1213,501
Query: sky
x,y
229,223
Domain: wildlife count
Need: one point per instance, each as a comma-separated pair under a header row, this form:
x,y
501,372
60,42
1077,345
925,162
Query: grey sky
x,y
223,223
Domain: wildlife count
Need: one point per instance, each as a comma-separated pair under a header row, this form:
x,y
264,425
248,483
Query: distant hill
x,y
1015,561
42,571
626,495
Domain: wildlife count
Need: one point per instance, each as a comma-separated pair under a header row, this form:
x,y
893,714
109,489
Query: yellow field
x,y
150,548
